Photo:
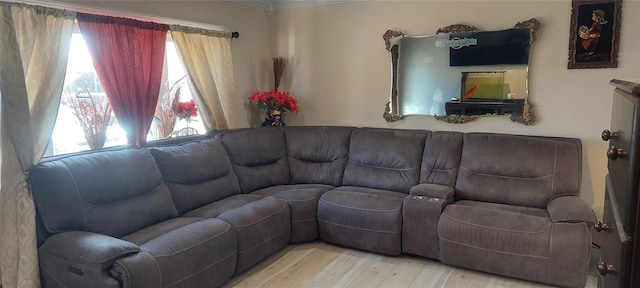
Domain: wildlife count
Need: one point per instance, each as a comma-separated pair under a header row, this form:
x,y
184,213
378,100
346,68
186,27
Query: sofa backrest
x,y
385,159
317,155
258,156
197,173
110,192
518,170
441,158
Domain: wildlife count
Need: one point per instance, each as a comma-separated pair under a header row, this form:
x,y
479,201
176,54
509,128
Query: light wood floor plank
x,y
349,265
404,273
374,273
430,277
302,271
322,265
267,269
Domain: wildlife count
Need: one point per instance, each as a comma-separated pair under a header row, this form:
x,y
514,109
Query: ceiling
x,y
273,5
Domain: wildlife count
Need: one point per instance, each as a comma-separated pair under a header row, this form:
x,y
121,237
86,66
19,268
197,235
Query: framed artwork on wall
x,y
595,34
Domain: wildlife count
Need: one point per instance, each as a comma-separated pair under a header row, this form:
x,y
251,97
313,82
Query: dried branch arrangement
x,y
93,113
279,64
167,107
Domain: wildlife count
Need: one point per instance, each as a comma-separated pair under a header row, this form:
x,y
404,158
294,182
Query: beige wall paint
x,y
250,51
342,71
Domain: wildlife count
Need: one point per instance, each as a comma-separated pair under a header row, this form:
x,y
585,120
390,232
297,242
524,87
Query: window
x,y
85,110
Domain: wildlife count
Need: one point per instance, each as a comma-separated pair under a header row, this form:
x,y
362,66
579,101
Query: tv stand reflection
x,y
506,107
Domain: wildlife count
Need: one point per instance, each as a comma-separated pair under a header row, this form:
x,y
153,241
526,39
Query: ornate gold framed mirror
x,y
461,73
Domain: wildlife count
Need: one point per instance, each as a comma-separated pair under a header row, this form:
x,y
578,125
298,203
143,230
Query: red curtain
x,y
128,57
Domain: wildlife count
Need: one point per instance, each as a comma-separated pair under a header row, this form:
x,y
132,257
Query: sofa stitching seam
x,y
191,246
505,177
318,162
75,185
297,200
358,228
549,260
494,228
258,220
265,241
493,250
361,209
303,220
199,271
383,167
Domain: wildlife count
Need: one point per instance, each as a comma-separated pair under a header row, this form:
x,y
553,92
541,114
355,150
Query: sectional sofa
x,y
196,213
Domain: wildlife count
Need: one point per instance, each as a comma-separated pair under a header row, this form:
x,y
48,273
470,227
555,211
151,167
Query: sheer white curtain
x,y
207,58
35,45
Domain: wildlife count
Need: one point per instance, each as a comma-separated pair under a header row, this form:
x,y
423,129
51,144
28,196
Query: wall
x,y
250,51
342,70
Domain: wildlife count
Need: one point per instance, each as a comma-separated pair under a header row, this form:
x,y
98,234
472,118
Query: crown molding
x,y
273,5
260,4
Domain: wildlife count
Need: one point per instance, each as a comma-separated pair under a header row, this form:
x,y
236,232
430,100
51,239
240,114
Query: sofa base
x,y
303,204
262,227
362,218
519,242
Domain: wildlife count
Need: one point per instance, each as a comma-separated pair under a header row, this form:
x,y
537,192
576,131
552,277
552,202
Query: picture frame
x,y
595,34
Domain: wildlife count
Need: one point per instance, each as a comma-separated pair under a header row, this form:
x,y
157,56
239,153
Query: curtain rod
x,y
116,13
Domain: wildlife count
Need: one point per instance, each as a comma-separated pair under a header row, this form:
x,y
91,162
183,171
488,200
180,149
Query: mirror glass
x,y
459,76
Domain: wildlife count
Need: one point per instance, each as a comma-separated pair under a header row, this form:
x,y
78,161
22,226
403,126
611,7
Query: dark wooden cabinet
x,y
620,251
513,108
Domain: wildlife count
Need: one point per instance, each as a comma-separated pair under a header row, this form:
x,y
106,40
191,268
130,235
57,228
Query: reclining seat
x,y
114,224
317,157
204,184
517,212
366,211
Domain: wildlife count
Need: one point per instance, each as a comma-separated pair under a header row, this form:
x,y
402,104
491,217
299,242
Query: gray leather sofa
x,y
194,214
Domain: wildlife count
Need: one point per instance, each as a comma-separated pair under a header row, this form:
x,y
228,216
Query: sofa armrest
x,y
87,247
139,270
84,259
437,191
570,209
420,215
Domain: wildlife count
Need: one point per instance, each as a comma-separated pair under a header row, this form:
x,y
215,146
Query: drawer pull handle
x,y
599,226
604,269
607,135
614,153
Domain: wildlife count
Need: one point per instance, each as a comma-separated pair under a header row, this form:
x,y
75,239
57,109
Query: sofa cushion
x,y
259,157
519,170
317,155
262,228
262,224
385,159
504,239
214,209
197,173
112,192
190,252
441,158
362,218
303,204
485,237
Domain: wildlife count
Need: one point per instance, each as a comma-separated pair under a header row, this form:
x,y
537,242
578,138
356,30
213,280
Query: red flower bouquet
x,y
186,110
274,100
